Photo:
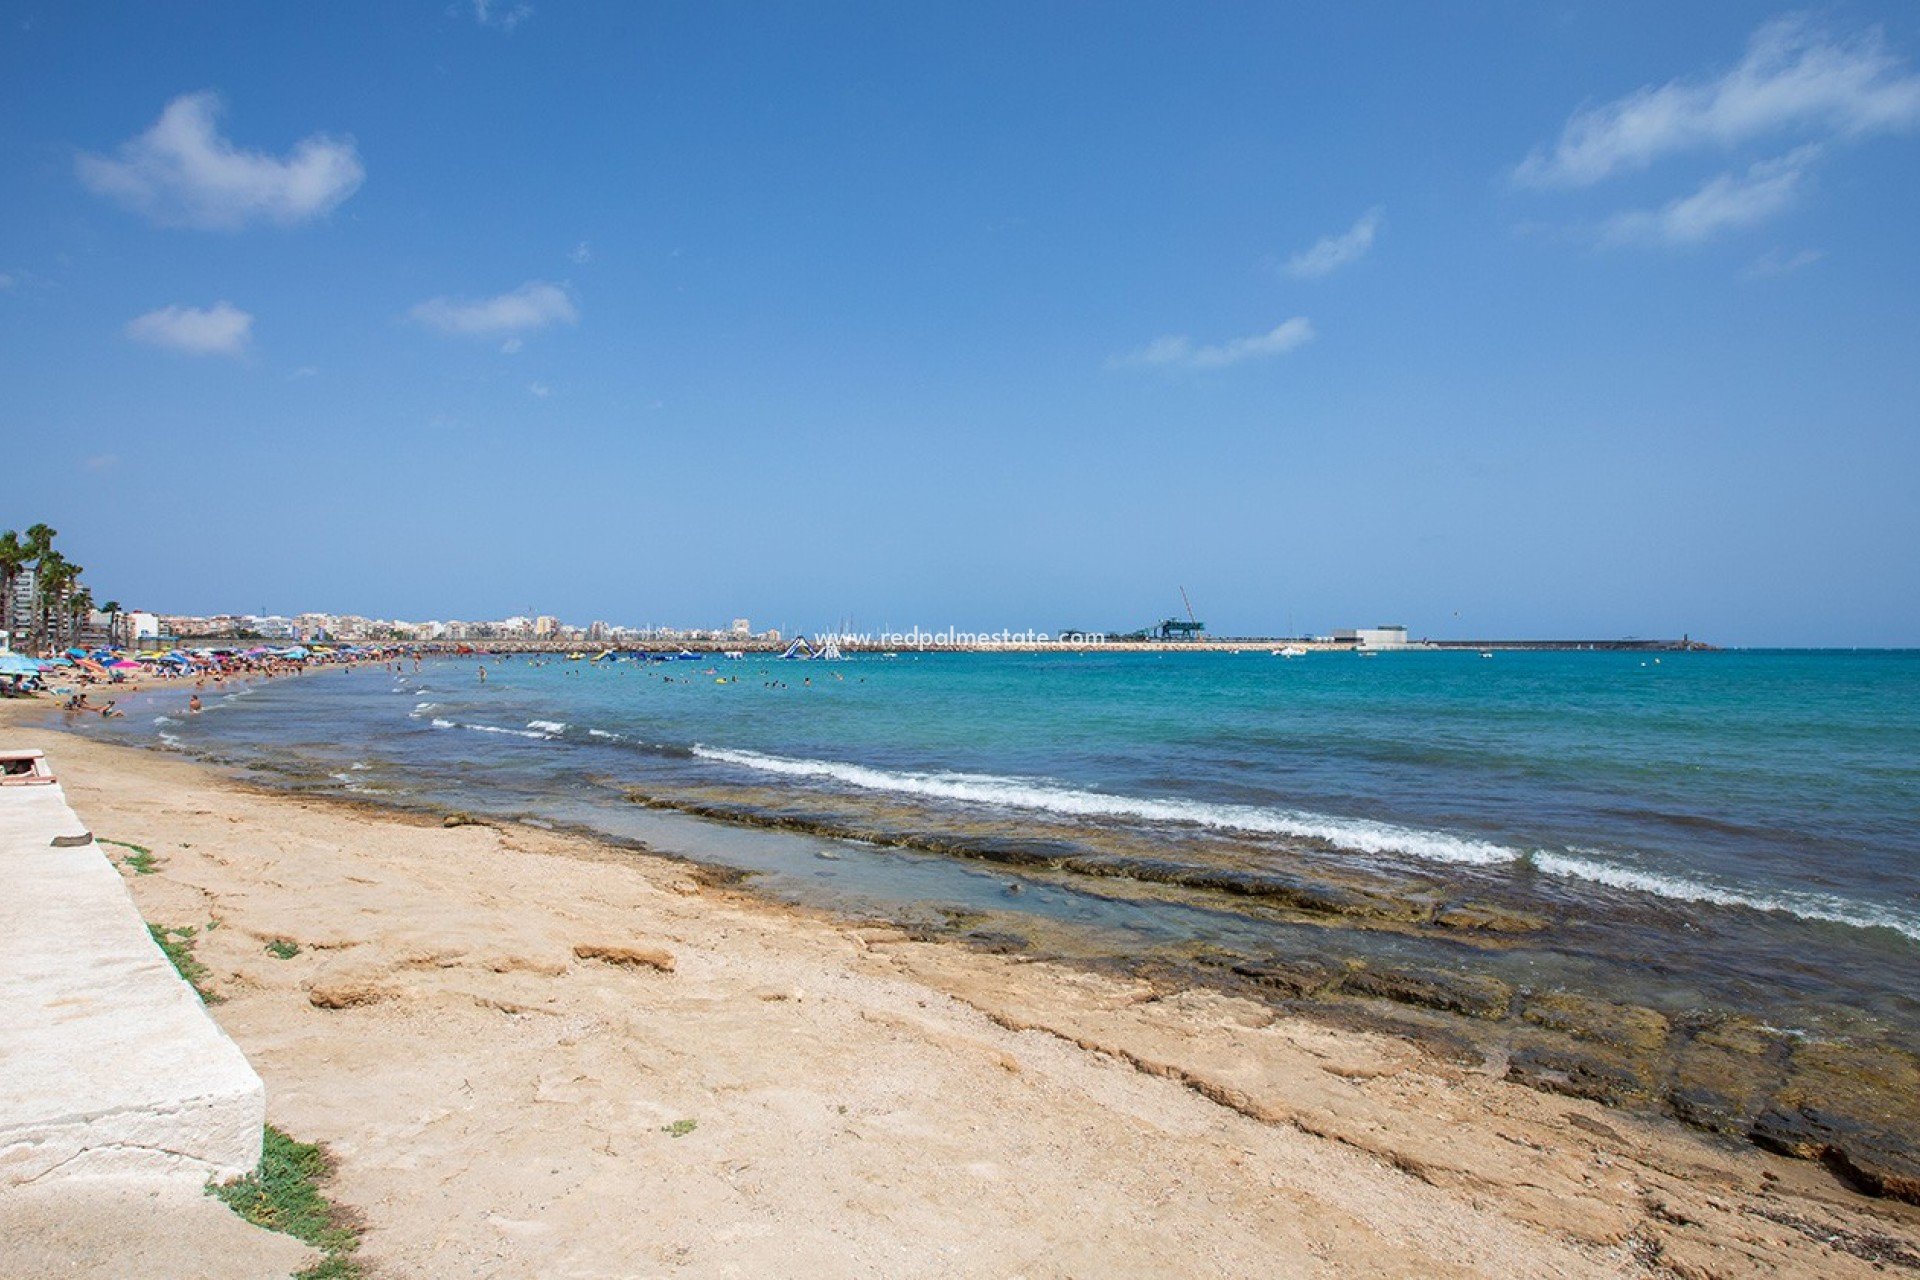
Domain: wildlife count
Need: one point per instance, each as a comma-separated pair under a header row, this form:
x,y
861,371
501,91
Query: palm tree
x,y
38,545
53,578
14,556
112,609
79,611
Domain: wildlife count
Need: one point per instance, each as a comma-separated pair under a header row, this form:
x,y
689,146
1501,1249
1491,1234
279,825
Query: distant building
x,y
741,628
1383,637
545,625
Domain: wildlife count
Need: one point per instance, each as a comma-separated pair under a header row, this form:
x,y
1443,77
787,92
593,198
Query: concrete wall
x,y
109,1064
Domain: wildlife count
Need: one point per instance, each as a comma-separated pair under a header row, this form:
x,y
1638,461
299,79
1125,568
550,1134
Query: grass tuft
x,y
283,1194
283,948
679,1128
141,859
176,941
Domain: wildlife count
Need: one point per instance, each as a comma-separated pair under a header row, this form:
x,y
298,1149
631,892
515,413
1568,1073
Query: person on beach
x,y
483,673
193,705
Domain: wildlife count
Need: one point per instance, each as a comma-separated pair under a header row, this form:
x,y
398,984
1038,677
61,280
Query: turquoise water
x,y
1747,819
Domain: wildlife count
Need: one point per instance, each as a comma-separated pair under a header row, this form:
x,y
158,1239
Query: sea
x,y
1724,830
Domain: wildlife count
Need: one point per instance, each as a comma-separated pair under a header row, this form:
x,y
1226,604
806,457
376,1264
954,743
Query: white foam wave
x,y
421,708
170,740
1358,834
547,726
165,720
602,733
516,733
1808,906
438,723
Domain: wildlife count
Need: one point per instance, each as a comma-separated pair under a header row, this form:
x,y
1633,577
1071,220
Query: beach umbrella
x,y
18,664
124,664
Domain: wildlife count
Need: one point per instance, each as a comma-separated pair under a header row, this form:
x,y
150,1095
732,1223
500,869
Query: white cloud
x,y
6,282
1178,351
221,330
304,372
539,390
181,172
512,346
102,462
1726,203
1793,80
501,17
1778,262
1334,252
582,253
533,305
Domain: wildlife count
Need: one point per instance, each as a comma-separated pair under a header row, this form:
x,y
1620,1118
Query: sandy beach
x,y
533,1054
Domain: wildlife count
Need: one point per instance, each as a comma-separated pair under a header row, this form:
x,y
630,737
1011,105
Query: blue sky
x,y
1489,319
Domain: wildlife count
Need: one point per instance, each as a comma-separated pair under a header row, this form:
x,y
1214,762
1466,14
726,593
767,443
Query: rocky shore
x,y
1852,1104
535,1053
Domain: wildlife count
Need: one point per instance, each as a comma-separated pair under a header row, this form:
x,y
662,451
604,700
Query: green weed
x,y
176,941
283,1194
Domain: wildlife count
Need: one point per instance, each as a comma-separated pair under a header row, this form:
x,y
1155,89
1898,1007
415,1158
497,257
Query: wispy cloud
x,y
304,372
1727,202
512,346
220,330
181,172
1179,351
501,17
101,462
1778,262
539,390
534,305
1331,253
1794,80
582,254
6,282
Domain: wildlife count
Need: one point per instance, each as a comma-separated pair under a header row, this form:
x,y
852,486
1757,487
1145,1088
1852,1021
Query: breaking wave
x,y
1357,834
1807,906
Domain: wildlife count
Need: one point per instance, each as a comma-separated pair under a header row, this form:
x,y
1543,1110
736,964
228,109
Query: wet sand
x,y
502,1033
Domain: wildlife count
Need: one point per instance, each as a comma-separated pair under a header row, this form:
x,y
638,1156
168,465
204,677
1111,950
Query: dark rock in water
x,y
1631,1027
1590,1071
1724,1071
1295,979
1012,851
1481,918
1474,995
1869,1160
996,941
1855,1108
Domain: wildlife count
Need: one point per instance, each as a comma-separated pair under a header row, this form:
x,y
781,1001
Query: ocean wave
x,y
1824,907
1358,834
421,708
165,720
547,726
602,733
515,733
438,723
